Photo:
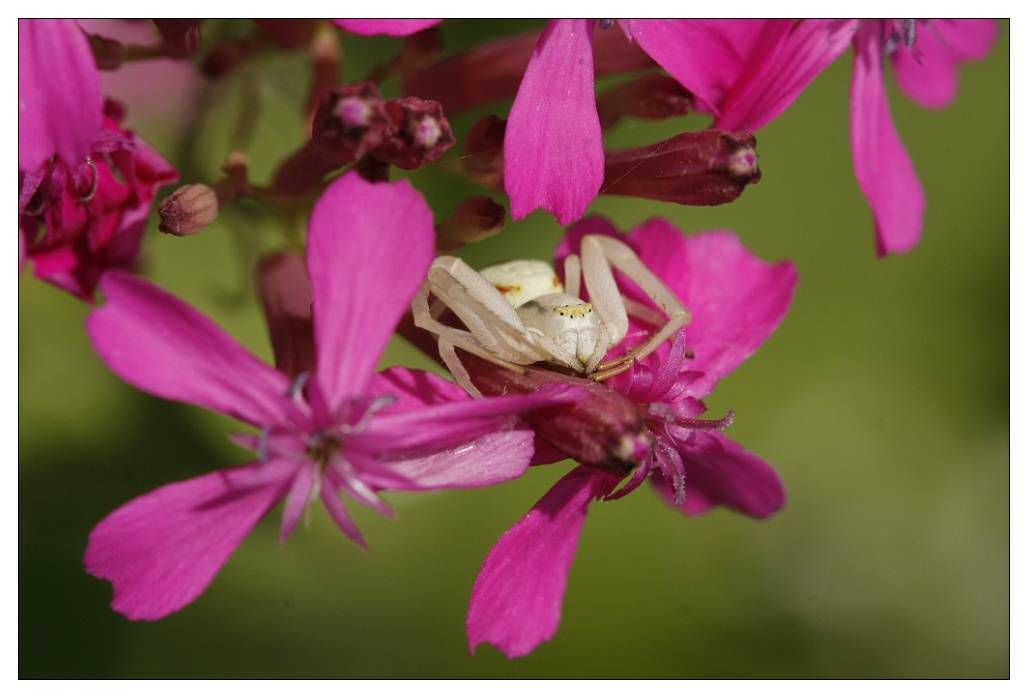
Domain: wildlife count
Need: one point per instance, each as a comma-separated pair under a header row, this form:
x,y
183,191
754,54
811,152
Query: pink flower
x,y
337,428
736,301
925,55
553,149
59,99
79,218
390,27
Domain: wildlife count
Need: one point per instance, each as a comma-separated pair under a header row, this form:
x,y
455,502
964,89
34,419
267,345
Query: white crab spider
x,y
517,313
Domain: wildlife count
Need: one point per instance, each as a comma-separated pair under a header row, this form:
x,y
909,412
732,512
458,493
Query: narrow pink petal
x,y
927,72
732,477
368,251
450,424
159,344
705,56
553,148
333,502
161,550
297,499
60,105
517,598
884,169
390,27
488,460
780,69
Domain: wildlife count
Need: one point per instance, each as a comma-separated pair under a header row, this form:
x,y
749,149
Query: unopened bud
x,y
604,430
181,36
419,133
188,210
108,53
483,151
475,219
697,168
652,96
419,51
285,292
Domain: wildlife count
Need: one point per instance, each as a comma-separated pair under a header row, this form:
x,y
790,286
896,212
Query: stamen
x,y
706,424
86,198
295,390
262,444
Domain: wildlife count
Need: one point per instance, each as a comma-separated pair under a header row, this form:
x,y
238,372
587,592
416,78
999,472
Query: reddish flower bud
x,y
181,36
475,219
604,430
419,133
697,168
288,34
285,292
483,151
651,96
188,210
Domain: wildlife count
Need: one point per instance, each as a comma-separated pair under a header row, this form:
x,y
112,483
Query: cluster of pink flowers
x,y
324,424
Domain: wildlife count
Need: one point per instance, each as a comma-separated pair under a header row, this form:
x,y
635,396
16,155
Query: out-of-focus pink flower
x,y
736,302
390,27
78,220
925,55
339,428
59,99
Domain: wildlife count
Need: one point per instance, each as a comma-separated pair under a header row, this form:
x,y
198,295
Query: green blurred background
x,y
883,400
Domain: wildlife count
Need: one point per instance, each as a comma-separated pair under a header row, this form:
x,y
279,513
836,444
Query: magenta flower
x,y
339,428
389,27
736,300
78,220
59,98
925,55
553,149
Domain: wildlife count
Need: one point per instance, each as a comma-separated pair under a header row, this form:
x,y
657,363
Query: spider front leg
x,y
495,332
600,255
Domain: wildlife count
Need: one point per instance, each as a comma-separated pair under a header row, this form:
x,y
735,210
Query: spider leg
x,y
601,254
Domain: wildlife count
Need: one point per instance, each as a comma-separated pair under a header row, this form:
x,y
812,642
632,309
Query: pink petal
x,y
447,425
297,499
59,100
368,251
161,345
732,477
884,169
705,56
517,598
927,72
553,148
487,460
780,69
161,550
390,27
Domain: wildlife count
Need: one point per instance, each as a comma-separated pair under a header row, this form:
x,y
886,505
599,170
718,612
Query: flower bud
x,y
188,210
181,36
652,96
473,220
285,293
483,151
604,430
696,168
